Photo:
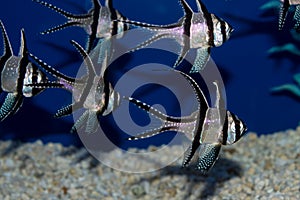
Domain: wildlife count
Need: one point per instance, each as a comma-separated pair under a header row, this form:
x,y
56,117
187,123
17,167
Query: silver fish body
x,y
100,21
16,72
91,92
209,127
195,30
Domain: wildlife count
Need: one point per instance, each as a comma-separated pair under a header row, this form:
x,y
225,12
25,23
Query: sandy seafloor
x,y
265,167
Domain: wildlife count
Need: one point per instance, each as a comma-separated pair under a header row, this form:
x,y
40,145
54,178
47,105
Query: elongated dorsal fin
x,y
200,96
23,47
186,8
202,109
200,6
6,43
90,66
109,4
96,4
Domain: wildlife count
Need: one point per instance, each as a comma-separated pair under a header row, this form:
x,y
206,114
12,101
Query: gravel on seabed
x,y
265,167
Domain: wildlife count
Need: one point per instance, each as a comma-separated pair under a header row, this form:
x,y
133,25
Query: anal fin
x,y
208,155
200,60
297,18
92,123
11,105
80,121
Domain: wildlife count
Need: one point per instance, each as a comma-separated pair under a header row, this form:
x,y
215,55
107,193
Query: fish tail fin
x,y
73,20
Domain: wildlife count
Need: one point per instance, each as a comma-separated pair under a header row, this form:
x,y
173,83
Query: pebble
x,y
250,169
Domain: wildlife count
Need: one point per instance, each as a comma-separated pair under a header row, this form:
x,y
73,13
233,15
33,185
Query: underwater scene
x,y
173,99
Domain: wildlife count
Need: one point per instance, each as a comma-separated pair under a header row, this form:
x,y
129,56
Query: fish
x,y
100,21
16,72
195,30
209,127
284,8
91,92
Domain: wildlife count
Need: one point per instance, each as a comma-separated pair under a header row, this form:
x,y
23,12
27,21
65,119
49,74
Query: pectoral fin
x,y
92,123
208,155
79,122
201,60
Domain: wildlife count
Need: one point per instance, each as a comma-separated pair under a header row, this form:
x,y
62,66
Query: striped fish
x,y
16,72
285,5
91,92
100,21
197,30
210,127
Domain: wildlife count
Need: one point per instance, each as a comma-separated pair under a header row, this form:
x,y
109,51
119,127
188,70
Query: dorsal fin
x,y
186,8
23,47
90,66
200,6
218,97
200,96
202,109
220,101
96,4
109,4
7,46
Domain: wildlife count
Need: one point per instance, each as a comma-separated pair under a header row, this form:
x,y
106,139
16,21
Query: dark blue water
x,y
248,71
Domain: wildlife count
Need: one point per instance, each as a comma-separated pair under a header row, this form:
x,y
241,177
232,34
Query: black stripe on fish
x,y
225,130
106,91
237,127
91,74
113,16
209,23
187,21
22,64
34,79
94,25
223,30
203,108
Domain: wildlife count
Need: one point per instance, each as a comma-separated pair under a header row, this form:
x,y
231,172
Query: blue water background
x,y
248,71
